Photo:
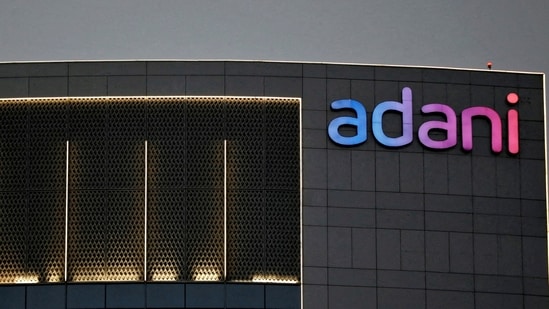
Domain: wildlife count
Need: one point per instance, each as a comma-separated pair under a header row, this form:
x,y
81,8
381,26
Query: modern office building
x,y
230,184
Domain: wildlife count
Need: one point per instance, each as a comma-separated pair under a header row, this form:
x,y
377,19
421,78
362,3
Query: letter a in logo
x,y
359,122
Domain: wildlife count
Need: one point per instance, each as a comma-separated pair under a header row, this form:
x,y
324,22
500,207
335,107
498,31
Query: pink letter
x,y
467,126
513,131
450,126
512,124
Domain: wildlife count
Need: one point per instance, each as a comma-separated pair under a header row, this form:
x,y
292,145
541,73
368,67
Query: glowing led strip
x,y
66,206
224,210
546,144
301,201
145,249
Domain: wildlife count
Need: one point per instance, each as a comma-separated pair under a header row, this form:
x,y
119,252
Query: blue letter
x,y
359,122
406,109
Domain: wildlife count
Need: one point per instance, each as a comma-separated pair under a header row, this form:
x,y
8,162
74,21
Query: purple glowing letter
x,y
450,126
467,126
406,109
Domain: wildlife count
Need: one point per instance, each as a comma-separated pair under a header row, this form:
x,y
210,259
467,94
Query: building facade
x,y
227,184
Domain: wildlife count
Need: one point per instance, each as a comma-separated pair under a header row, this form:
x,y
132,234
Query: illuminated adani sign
x,y
449,126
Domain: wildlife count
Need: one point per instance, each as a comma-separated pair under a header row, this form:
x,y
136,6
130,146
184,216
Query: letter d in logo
x,y
407,127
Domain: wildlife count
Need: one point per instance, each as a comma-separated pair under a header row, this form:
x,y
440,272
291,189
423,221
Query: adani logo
x,y
449,126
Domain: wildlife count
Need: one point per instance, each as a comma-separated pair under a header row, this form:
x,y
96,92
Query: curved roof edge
x,y
278,61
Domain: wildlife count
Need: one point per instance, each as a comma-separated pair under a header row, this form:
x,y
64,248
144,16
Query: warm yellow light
x,y
111,278
164,279
273,279
55,279
206,277
163,276
27,279
206,274
120,279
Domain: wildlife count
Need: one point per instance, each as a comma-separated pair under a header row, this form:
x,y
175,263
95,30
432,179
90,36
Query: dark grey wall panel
x,y
245,296
205,296
263,69
166,85
382,227
205,85
34,69
185,68
13,297
127,85
14,87
125,296
283,86
165,295
85,296
48,86
45,297
88,86
107,68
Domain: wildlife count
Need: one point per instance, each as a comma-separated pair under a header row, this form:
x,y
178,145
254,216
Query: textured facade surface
x,y
406,227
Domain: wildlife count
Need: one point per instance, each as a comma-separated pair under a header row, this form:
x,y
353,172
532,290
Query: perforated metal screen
x,y
180,188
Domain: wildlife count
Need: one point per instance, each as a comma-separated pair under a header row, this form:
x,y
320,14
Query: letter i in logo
x,y
512,124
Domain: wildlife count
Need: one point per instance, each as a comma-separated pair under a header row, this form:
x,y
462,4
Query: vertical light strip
x,y
66,205
224,210
145,249
301,200
545,140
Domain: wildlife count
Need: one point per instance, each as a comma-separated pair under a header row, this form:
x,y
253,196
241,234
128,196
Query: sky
x,y
512,34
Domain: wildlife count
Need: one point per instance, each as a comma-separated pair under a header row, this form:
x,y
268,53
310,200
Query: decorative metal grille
x,y
13,228
46,235
87,235
125,230
213,212
167,235
282,236
205,235
245,235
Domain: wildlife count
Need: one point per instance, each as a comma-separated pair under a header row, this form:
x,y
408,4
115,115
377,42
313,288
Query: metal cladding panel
x,y
33,159
205,134
205,234
46,233
13,228
106,175
282,236
246,234
167,235
167,194
281,154
13,131
201,168
87,235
